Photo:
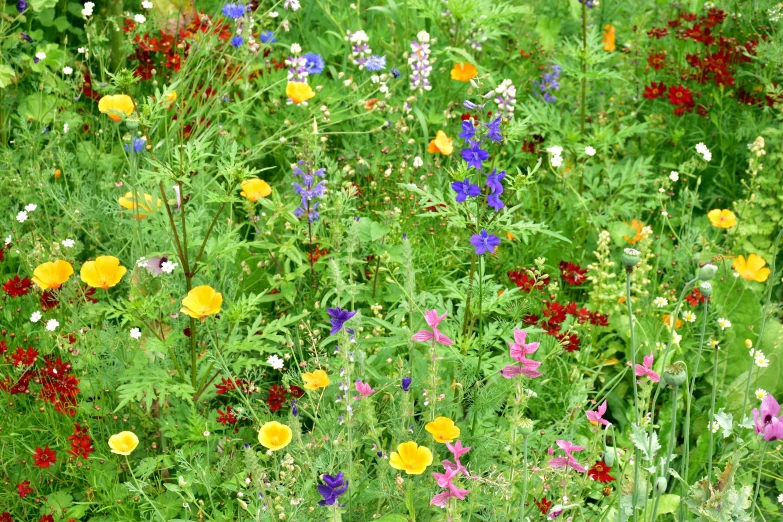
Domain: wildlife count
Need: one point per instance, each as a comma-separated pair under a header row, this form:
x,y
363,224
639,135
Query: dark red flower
x,y
49,299
44,457
657,32
599,319
554,312
227,385
600,472
295,391
24,357
226,417
569,342
695,298
16,287
24,488
81,442
680,95
5,516
654,90
3,349
46,518
528,279
580,314
530,319
543,505
572,273
277,397
657,60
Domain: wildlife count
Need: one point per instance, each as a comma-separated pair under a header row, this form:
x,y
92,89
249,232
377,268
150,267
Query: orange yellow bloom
x,y
123,443
609,38
52,274
275,436
667,320
441,144
411,458
117,106
129,201
315,380
202,301
463,72
171,97
443,430
299,92
752,268
255,189
639,227
104,272
722,218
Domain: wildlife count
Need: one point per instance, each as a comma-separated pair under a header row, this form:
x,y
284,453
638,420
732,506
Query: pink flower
x,y
364,389
768,422
433,320
446,479
568,461
518,351
647,369
596,417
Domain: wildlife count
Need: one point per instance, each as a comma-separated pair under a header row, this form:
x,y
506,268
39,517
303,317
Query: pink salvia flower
x,y
433,320
568,461
446,480
596,417
641,371
519,350
364,389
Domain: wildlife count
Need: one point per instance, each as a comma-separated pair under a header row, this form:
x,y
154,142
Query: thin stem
x,y
481,344
758,478
712,413
524,485
584,72
670,449
636,412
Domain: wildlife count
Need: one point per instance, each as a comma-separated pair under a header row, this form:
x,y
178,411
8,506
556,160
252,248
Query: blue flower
x,y
333,487
375,63
234,11
474,155
493,130
468,131
136,144
396,73
484,242
21,6
406,383
464,189
267,37
294,409
338,318
495,180
314,63
237,41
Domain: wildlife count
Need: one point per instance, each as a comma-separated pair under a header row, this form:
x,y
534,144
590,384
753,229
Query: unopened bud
x,y
706,289
609,456
660,485
630,257
707,271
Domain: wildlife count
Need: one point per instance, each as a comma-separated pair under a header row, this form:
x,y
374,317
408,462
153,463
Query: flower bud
x,y
630,257
609,456
675,374
132,122
525,427
660,485
707,271
706,289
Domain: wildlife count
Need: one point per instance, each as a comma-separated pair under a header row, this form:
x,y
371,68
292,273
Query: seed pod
x,y
525,427
675,374
707,271
706,289
630,257
132,122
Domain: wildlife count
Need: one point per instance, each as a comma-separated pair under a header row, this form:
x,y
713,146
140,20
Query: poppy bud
x,y
675,374
525,427
707,271
609,456
630,257
706,289
132,122
660,485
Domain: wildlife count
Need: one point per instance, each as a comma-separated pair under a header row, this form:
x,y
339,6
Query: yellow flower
x,y
123,443
752,269
52,274
463,72
442,144
442,430
667,320
722,218
609,38
315,380
104,272
255,189
117,106
299,92
275,436
128,201
171,97
411,458
202,301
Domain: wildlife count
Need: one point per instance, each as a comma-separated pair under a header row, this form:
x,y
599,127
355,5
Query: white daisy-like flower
x,y
760,394
68,243
135,333
40,55
689,316
714,426
81,50
590,151
780,498
555,150
660,302
21,216
87,9
417,162
659,345
702,149
556,161
296,48
8,240
674,175
276,362
139,18
760,360
147,4
168,266
36,317
52,324
67,70
724,323
30,207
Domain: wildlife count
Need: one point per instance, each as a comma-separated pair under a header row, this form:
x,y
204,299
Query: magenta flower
x,y
433,320
596,417
446,479
568,461
647,369
364,389
519,350
769,422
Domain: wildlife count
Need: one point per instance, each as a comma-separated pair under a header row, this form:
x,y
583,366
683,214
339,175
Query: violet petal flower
x,y
338,318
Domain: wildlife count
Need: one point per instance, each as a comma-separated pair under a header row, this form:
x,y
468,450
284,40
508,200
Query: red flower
x,y
599,319
680,95
657,60
226,417
24,357
528,279
554,311
530,319
654,90
543,505
572,273
16,287
581,314
81,442
44,457
600,472
569,342
46,518
295,391
227,385
49,299
24,488
3,349
277,396
657,32
695,298
5,516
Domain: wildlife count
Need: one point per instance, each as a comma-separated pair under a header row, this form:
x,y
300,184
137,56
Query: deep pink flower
x,y
769,422
568,461
364,389
433,320
519,350
596,417
446,479
647,369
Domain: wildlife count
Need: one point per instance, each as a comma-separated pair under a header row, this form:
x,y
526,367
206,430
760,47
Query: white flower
x,y
556,161
87,10
293,5
660,302
780,498
40,55
276,362
141,262
714,426
52,324
139,18
65,128
273,14
724,323
423,36
417,162
168,266
760,394
659,346
8,240
296,48
36,317
555,150
135,333
21,216
590,151
676,338
760,360
674,175
67,70
702,149
689,316
146,4
30,207
68,243
81,50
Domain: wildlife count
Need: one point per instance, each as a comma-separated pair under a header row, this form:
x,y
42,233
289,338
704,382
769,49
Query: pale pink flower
x,y
596,417
364,389
519,350
647,369
433,320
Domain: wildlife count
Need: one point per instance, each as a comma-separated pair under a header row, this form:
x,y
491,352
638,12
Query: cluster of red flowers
x,y
278,395
227,417
81,442
695,298
529,279
58,385
24,489
227,385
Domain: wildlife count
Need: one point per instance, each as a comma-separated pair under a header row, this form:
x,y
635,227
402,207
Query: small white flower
x,y
65,128
660,346
714,426
21,216
590,151
147,4
168,266
205,433
40,55
139,18
296,48
8,240
81,50
556,161
273,14
417,162
689,317
276,362
660,302
555,150
674,175
423,36
702,149
293,5
760,394
52,324
36,317
87,10
780,498
724,323
141,262
68,243
676,338
135,333
760,360
30,207
67,70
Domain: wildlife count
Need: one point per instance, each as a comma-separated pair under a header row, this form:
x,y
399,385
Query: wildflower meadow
x,y
391,260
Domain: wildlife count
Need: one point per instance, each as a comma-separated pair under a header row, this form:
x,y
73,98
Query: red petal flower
x,y
16,287
44,457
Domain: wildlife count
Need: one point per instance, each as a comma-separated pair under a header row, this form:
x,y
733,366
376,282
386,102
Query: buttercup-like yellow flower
x,y
722,218
104,272
275,436
441,144
123,443
463,72
52,274
752,269
299,92
609,38
128,201
171,97
442,430
117,106
411,458
202,301
255,189
315,380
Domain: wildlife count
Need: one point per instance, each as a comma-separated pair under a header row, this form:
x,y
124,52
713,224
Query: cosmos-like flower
x,y
568,461
202,301
597,417
443,430
44,457
105,272
52,274
474,155
123,443
16,287
411,458
600,472
465,189
646,369
234,10
314,64
274,436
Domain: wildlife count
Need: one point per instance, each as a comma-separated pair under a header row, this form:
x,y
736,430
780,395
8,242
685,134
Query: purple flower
x,y
338,317
568,461
21,6
484,242
493,129
237,41
364,389
495,183
395,72
406,383
314,63
375,63
474,155
550,83
333,487
137,145
769,422
465,189
307,192
294,409
597,416
234,11
26,37
468,131
267,37
519,351
588,3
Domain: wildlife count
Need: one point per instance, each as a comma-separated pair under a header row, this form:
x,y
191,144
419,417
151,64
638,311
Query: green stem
x,y
524,486
116,37
670,449
758,478
712,413
141,490
636,412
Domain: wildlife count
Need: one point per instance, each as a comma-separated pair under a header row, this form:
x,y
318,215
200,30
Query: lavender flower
x,y
493,130
154,265
484,242
588,3
550,83
136,145
419,62
267,37
465,189
338,317
333,487
234,11
314,64
505,97
406,383
474,155
395,72
297,65
308,191
495,183
21,6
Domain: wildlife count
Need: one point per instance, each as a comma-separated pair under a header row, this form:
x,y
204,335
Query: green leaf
x,y
6,75
40,5
393,518
668,504
642,441
548,30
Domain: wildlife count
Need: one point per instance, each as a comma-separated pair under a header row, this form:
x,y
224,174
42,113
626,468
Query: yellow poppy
x,y
171,97
667,320
299,92
411,458
751,269
441,144
315,380
638,226
129,201
609,38
104,272
463,72
52,274
275,436
255,189
442,430
123,443
201,302
722,218
116,106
